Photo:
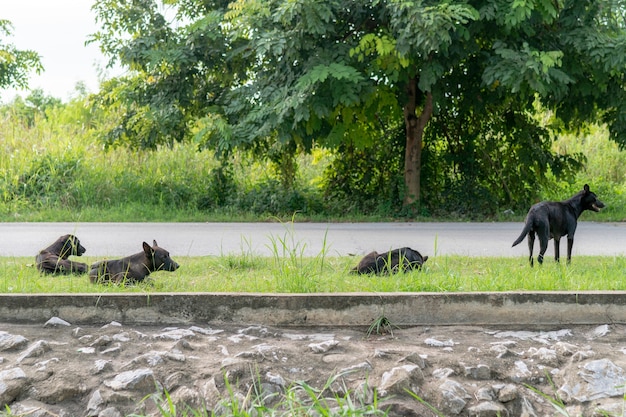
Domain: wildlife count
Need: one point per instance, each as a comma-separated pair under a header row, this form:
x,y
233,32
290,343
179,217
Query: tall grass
x,y
248,273
297,399
54,169
294,271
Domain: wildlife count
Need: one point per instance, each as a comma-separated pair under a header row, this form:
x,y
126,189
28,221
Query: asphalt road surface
x,y
308,239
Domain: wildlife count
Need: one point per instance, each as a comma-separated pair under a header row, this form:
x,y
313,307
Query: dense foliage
x,y
52,169
15,64
420,107
462,80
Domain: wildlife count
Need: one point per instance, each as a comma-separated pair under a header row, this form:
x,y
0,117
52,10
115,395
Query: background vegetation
x,y
51,168
379,109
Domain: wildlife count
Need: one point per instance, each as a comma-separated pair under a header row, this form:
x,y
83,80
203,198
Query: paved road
x,y
309,239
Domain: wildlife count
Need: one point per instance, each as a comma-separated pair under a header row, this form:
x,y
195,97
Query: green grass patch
x,y
248,273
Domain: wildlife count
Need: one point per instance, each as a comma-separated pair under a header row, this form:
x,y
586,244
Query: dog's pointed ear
x,y
586,188
147,249
154,244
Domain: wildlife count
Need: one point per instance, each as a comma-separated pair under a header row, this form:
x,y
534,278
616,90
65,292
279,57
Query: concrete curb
x,y
527,309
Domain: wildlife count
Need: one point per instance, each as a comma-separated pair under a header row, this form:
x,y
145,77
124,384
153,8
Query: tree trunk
x,y
415,126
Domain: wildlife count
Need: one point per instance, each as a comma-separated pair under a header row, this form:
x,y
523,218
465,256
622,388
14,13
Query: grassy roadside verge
x,y
251,273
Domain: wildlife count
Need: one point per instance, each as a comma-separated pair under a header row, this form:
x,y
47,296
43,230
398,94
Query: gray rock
x,y
565,349
399,379
33,408
544,355
68,387
599,331
110,412
12,342
417,359
206,332
485,394
596,379
488,409
500,350
112,350
141,379
35,350
13,382
175,334
275,379
454,396
101,341
323,347
94,404
101,366
521,373
56,322
443,373
527,409
541,337
439,343
258,331
479,372
121,337
185,396
507,393
582,355
363,367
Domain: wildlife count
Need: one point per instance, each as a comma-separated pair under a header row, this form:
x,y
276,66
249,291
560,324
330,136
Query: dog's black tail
x,y
521,237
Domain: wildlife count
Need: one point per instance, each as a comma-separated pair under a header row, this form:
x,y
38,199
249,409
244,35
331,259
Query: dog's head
x,y
415,258
70,246
590,200
161,259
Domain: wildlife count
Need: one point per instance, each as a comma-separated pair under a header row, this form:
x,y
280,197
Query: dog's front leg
x,y
557,249
570,245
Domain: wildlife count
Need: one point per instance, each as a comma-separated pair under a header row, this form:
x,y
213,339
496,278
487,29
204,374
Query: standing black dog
x,y
404,259
554,219
53,259
134,268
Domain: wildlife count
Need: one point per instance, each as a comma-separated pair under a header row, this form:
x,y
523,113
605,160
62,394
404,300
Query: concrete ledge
x,y
536,309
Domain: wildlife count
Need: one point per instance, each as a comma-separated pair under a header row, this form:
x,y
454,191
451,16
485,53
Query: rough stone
x,y
114,370
454,397
12,342
401,378
594,380
488,409
12,382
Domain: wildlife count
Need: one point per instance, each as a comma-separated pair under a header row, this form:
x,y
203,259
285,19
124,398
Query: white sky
x,y
57,31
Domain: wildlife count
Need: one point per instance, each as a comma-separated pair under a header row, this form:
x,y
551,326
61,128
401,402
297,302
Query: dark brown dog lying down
x,y
403,259
134,268
53,259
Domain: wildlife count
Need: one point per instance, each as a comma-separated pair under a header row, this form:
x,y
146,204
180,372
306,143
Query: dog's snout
x,y
598,205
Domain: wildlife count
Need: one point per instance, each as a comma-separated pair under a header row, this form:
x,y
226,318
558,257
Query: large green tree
x,y
287,73
15,64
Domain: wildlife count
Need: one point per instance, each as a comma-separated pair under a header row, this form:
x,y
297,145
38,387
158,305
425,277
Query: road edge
x,y
514,309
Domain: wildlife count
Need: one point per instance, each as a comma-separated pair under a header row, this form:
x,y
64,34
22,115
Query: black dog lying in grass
x,y
134,268
554,219
403,259
53,259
